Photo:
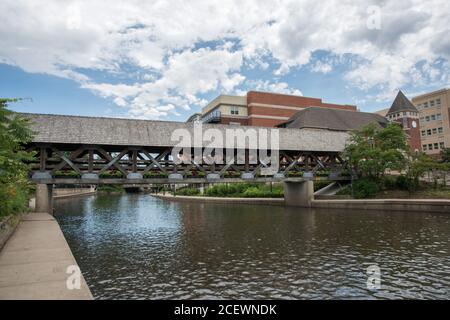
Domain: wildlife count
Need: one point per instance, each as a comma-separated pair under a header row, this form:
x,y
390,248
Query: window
x,y
439,116
427,118
441,145
422,119
436,146
433,117
431,103
430,147
234,110
438,101
429,132
425,105
424,133
440,130
424,147
434,130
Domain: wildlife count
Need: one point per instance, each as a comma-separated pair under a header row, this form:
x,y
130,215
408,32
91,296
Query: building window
x,y
424,147
430,147
234,110
434,130
424,133
429,132
433,117
440,130
425,105
441,145
438,116
431,103
427,118
438,101
436,146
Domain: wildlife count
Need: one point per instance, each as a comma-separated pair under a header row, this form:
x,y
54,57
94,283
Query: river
x,y
135,246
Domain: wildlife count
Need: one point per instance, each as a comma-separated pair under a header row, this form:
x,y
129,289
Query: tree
x,y
416,166
445,155
373,150
14,133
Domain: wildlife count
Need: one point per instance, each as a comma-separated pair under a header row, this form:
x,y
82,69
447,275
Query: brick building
x,y
403,112
261,108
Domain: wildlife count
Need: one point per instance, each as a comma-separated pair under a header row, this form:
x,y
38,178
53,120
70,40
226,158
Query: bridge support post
x,y
44,198
299,194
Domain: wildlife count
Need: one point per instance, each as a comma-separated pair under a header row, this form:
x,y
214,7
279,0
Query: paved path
x,y
34,261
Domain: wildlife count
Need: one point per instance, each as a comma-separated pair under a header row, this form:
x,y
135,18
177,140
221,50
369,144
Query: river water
x,y
135,246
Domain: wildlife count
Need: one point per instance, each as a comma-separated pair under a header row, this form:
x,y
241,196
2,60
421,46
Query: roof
x,y
332,119
194,117
382,112
62,129
401,103
431,94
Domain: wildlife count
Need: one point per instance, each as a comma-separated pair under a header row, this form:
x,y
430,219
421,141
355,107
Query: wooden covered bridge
x,y
94,150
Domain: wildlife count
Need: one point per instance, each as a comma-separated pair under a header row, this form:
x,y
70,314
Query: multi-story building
x,y
261,108
434,113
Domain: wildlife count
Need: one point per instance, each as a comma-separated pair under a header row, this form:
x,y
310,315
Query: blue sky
x,y
166,59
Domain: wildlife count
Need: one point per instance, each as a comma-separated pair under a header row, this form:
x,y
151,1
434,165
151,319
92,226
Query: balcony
x,y
212,117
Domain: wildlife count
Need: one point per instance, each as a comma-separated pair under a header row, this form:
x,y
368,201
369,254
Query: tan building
x,y
434,113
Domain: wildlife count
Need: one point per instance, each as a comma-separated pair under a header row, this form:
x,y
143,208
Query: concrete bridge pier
x,y
44,198
298,194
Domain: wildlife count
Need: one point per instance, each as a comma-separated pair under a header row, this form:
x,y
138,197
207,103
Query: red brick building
x,y
406,114
261,108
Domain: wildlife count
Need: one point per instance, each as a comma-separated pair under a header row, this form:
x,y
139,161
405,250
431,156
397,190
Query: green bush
x,y
188,192
365,188
13,198
245,190
390,182
402,182
110,188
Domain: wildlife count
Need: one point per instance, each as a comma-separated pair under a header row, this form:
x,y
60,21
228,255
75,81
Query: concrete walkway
x,y
34,262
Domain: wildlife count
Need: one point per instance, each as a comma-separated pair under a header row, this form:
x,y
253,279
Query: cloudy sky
x,y
166,59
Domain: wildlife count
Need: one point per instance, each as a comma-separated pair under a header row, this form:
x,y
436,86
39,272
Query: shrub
x,y
365,188
188,192
402,182
110,188
390,182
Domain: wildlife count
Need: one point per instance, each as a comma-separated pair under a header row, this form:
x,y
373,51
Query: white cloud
x,y
185,75
277,87
166,40
322,67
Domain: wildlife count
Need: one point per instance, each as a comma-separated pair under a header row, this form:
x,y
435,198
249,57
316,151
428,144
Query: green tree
x,y
14,133
373,150
416,166
445,155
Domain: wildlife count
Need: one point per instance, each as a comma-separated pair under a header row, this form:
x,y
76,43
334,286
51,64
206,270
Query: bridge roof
x,y
63,129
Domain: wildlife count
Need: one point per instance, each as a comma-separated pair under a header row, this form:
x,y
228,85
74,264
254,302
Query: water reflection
x,y
139,247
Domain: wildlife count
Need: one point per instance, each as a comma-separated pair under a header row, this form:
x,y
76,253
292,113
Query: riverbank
x,y
417,205
35,260
66,193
